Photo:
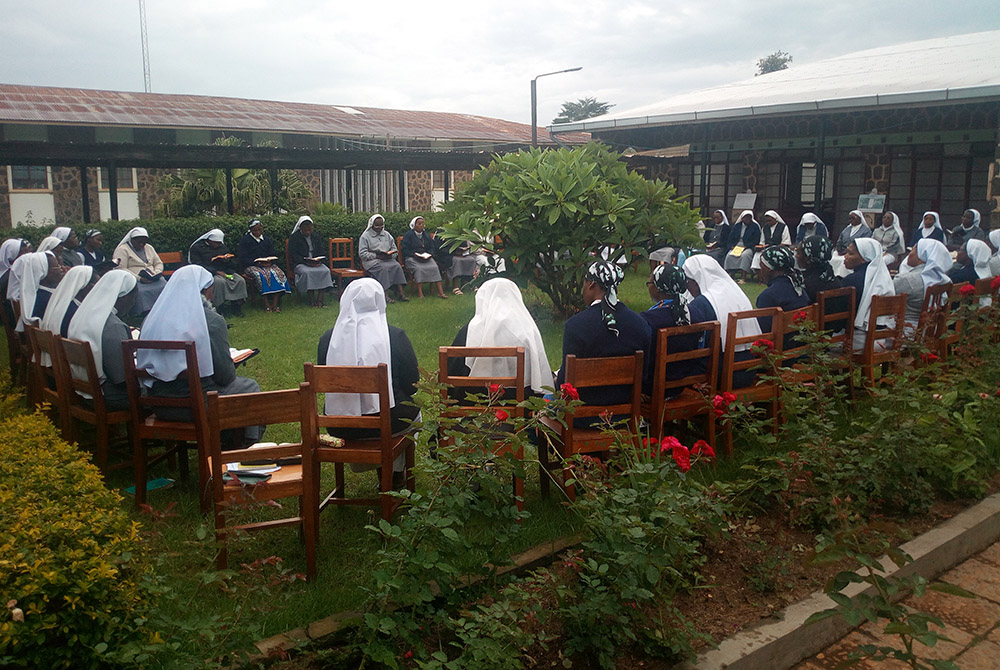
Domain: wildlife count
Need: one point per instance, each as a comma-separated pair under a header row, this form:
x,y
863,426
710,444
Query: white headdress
x,y
87,324
722,292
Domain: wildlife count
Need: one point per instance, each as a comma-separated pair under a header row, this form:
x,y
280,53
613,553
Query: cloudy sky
x,y
468,56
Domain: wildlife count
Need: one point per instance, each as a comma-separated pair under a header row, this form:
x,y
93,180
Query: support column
x,y
113,190
273,172
85,194
229,191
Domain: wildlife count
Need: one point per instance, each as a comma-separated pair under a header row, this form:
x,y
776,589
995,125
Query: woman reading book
x,y
380,257
305,257
257,260
210,252
135,254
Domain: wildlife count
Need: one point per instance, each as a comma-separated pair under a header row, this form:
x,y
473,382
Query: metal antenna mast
x,y
145,45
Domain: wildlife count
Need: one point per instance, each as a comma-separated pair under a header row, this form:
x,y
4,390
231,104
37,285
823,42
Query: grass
x,y
346,551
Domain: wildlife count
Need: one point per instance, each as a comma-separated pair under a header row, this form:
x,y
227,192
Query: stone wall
x,y
750,161
418,190
66,195
314,180
877,160
5,215
150,191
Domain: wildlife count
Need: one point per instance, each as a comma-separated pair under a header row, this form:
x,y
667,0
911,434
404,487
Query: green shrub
x,y
71,561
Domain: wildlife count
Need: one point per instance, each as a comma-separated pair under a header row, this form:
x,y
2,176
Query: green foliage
x,y
547,212
584,108
779,60
71,562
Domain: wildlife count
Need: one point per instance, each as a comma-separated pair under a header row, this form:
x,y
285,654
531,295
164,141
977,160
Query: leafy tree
x,y
779,60
584,108
547,212
203,190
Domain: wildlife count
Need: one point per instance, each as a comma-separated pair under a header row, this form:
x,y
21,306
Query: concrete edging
x,y
782,643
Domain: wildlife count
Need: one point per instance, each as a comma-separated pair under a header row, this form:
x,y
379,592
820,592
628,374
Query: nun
x,y
90,248
10,251
890,236
969,230
785,283
97,323
870,277
856,228
184,313
39,273
719,245
418,256
993,238
258,260
66,299
934,261
305,256
68,254
743,240
230,288
380,257
810,225
930,226
455,263
135,254
972,263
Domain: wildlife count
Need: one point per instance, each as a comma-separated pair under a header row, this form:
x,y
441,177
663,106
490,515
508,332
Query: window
x,y
807,187
29,178
126,179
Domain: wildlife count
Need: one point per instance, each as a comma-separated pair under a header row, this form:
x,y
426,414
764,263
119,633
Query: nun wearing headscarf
x,y
719,245
135,254
870,277
97,323
362,336
258,260
39,274
90,249
774,232
418,256
972,263
667,286
68,255
502,320
785,284
53,244
305,256
10,251
230,288
66,299
813,255
969,230
380,257
934,261
810,225
743,239
605,328
930,226
993,239
890,236
856,228
184,313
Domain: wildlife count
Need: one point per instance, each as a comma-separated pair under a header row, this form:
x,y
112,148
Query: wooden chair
x,y
690,402
294,479
984,289
172,258
381,451
341,259
145,425
795,369
951,329
933,316
836,311
762,391
85,399
15,350
886,354
586,373
481,385
44,385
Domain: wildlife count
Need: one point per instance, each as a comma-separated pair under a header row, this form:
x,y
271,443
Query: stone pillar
x,y
66,195
313,179
92,193
876,168
5,215
750,161
150,191
418,190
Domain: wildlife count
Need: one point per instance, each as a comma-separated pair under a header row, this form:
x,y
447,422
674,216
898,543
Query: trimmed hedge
x,y
69,556
178,234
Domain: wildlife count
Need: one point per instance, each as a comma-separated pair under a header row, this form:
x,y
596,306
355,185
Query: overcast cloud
x,y
471,57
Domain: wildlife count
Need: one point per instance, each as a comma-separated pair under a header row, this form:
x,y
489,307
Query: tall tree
x,y
779,60
584,108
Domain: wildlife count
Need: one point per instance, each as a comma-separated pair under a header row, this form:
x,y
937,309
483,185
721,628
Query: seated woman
x,y
774,233
972,263
456,263
230,290
305,251
68,255
135,254
667,286
811,225
934,261
97,323
256,258
10,251
380,258
418,256
969,230
719,245
92,253
785,285
814,255
47,286
66,299
993,238
930,226
890,236
857,228
38,273
870,277
502,320
745,234
184,313
362,336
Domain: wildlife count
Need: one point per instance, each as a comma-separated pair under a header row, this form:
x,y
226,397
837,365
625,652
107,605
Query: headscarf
x,y
413,221
980,253
672,281
976,218
774,215
809,220
75,279
32,269
608,276
251,224
722,292
783,259
725,219
372,219
502,320
61,233
87,324
93,232
298,224
898,228
215,235
48,244
360,337
936,262
9,251
994,240
877,278
178,316
135,232
925,231
861,215
818,251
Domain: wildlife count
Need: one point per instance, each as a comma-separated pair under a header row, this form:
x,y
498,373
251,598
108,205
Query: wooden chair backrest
x,y
985,287
933,313
893,306
730,365
171,258
828,317
482,384
787,325
341,253
709,331
353,379
43,344
399,251
612,371
143,405
78,357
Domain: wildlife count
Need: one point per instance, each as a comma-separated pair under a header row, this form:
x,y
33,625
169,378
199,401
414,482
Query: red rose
x,y
729,398
928,358
569,391
669,442
967,290
995,284
799,317
719,413
682,457
408,654
495,389
703,447
718,402
766,345
502,415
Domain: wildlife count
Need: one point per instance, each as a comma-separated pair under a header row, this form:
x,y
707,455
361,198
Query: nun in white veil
x,y
135,254
724,294
877,282
994,242
64,303
380,257
32,271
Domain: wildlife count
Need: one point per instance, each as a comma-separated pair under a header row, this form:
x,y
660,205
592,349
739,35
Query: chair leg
x,y
338,491
386,486
568,489
710,421
727,438
519,482
544,473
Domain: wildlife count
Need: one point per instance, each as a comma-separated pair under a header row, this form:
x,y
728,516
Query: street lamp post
x,y
534,103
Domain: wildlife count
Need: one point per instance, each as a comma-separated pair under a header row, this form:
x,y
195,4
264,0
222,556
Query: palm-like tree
x,y
584,108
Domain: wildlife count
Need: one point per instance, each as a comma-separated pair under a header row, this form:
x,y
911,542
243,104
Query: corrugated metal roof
x,y
963,67
46,105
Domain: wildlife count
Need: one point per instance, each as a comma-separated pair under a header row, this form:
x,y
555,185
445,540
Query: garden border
x,y
781,644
